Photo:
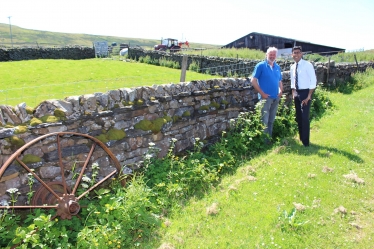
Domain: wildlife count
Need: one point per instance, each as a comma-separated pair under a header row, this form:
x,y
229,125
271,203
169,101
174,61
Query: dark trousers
x,y
302,116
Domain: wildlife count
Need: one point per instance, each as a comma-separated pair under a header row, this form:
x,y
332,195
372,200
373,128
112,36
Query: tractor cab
x,y
168,44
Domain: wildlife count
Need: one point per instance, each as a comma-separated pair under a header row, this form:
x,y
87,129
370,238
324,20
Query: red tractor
x,y
170,44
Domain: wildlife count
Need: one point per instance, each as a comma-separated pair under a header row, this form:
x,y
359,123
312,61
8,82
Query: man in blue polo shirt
x,y
267,81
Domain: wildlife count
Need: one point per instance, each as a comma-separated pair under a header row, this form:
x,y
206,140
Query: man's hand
x,y
280,94
305,101
264,95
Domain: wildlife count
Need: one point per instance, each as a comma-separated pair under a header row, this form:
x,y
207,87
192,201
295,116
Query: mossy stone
x,y
157,125
139,102
144,125
31,159
21,129
29,110
186,114
214,104
103,138
35,122
59,113
168,118
127,103
204,107
112,134
225,102
16,142
176,118
49,119
115,134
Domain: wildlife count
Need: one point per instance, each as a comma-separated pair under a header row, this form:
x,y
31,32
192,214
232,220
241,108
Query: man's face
x,y
271,56
297,54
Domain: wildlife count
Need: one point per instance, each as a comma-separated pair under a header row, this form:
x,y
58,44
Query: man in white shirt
x,y
303,83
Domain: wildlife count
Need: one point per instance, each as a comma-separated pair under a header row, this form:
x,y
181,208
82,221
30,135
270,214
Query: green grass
x,y
250,214
343,57
241,53
38,80
251,54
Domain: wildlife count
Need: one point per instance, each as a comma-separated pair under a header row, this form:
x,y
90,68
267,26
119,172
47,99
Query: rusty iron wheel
x,y
65,191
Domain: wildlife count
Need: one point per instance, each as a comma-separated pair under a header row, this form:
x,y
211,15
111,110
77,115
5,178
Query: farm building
x,y
263,41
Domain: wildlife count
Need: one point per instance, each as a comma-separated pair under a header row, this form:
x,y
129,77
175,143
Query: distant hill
x,y
29,37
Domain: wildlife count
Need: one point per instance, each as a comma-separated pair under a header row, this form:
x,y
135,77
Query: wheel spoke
x,y
97,184
61,164
37,177
83,168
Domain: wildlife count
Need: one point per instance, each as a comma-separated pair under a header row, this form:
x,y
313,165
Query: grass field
x,y
330,184
38,80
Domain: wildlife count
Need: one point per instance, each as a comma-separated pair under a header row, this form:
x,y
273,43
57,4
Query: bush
x,y
166,63
285,123
320,103
194,66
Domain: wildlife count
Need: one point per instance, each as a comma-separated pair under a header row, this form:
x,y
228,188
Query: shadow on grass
x,y
322,151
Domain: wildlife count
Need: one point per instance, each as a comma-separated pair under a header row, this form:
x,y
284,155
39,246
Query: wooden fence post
x,y
328,72
356,62
184,68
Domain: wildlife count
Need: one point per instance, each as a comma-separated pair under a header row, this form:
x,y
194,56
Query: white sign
x,y
284,53
101,48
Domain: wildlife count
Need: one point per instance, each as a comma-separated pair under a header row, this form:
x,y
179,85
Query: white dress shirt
x,y
306,75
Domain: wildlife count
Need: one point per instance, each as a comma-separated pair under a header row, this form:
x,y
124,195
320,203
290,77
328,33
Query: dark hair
x,y
297,47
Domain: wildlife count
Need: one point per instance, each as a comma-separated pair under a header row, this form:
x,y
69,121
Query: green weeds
x,y
289,222
320,103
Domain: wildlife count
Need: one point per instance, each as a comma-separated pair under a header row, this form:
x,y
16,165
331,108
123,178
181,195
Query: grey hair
x,y
271,49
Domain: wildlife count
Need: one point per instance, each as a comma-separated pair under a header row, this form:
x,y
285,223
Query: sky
x,y
336,23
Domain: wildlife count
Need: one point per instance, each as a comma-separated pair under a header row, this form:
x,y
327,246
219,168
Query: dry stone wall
x,y
332,73
212,64
181,105
192,109
69,53
327,72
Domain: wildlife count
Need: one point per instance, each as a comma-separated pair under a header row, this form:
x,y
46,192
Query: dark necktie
x,y
296,78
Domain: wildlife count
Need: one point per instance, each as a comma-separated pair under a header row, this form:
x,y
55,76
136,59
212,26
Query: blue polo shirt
x,y
268,78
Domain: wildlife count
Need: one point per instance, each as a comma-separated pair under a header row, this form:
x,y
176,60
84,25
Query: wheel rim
x,y
65,193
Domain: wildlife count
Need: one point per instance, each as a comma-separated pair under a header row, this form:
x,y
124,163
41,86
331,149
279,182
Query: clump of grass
x,y
214,104
204,107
